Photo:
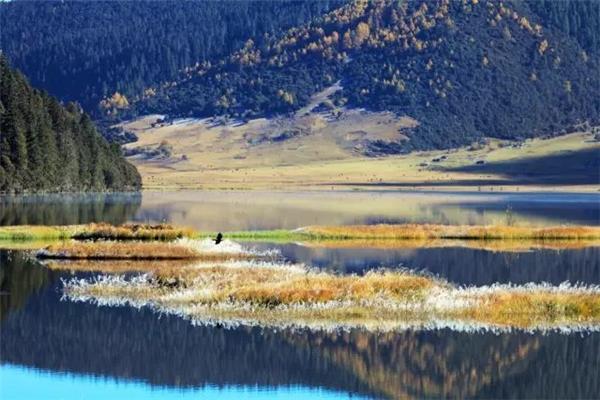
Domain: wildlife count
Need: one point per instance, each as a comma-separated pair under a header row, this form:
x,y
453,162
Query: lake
x,y
53,348
238,210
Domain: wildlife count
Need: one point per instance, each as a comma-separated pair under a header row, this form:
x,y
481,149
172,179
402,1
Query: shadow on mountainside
x,y
580,167
570,167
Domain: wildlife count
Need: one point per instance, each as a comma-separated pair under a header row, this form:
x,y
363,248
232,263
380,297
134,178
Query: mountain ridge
x,y
464,70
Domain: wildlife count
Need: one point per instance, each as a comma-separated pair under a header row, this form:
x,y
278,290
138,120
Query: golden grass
x,y
268,294
110,250
103,231
132,232
325,162
463,232
508,245
523,309
115,266
318,288
421,234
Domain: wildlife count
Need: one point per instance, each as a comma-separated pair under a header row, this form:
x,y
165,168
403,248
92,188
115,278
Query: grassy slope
x,y
221,158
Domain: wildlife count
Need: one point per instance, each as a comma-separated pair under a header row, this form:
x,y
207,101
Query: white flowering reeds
x,y
282,295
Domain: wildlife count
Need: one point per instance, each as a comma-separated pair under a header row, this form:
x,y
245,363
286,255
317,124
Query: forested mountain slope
x,y
85,50
578,18
47,147
463,69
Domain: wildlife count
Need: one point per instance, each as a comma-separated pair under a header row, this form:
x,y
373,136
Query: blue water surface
x,y
19,383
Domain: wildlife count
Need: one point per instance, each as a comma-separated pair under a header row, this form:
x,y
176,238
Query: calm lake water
x,y
234,210
55,349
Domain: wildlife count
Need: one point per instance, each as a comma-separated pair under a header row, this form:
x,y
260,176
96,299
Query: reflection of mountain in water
x,y
138,344
63,209
457,264
586,211
254,210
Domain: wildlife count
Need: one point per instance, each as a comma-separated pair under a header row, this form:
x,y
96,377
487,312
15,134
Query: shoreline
x,y
381,235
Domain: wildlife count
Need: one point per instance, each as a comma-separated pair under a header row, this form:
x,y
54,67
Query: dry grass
x,y
519,308
132,232
319,288
110,250
511,246
95,232
422,235
269,294
327,160
116,266
462,232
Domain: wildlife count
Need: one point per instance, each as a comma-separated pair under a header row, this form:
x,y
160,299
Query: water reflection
x,y
464,266
228,211
66,209
20,278
165,351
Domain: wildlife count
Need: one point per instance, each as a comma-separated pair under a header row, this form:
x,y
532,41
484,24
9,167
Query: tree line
x,y
464,70
85,51
47,147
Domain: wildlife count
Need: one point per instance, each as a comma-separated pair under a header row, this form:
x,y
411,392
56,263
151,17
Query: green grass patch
x,y
28,233
565,235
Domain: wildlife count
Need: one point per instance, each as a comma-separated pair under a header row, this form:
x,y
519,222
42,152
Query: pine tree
x,y
44,146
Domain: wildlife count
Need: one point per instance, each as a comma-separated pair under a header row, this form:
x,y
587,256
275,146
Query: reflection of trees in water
x,y
64,209
20,277
131,344
126,343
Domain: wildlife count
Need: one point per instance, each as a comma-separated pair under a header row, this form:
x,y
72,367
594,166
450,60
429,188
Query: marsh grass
x,y
462,232
275,235
130,250
132,232
270,294
115,266
35,232
518,307
559,235
506,245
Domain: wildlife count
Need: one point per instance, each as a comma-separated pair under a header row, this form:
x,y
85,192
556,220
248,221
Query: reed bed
x,y
132,232
111,250
282,295
100,231
417,232
462,232
115,266
508,245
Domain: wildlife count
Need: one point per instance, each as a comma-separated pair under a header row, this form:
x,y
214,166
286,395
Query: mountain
x,y
47,147
464,70
85,50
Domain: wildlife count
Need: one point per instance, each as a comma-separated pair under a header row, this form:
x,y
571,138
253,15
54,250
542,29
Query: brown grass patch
x,y
524,309
464,232
319,288
132,232
116,266
507,245
108,250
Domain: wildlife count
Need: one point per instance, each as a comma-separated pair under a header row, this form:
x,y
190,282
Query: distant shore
x,y
566,163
